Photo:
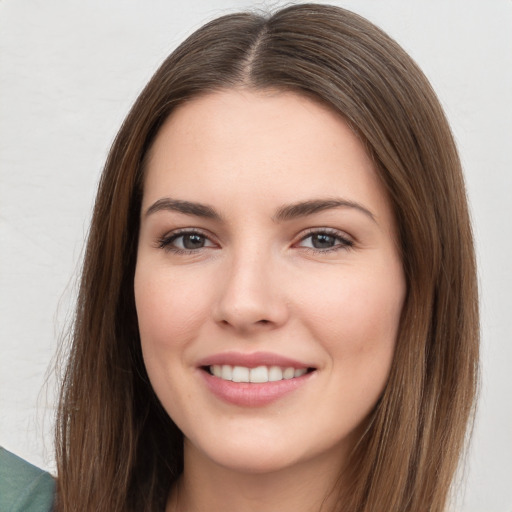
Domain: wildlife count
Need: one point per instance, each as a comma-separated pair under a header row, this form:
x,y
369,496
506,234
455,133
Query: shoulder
x,y
23,487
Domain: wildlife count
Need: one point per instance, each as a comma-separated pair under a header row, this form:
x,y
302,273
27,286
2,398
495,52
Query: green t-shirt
x,y
23,487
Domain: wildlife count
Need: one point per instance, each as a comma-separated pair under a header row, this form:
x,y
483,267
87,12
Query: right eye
x,y
185,242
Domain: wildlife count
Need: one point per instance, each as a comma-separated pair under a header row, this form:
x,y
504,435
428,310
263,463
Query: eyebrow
x,y
303,208
283,213
186,207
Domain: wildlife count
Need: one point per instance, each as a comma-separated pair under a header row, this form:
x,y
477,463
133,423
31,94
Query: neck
x,y
310,486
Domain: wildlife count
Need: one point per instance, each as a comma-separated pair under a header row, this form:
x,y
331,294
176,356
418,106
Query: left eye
x,y
325,241
186,242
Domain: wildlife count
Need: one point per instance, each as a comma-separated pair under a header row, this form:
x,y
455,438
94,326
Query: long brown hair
x,y
117,449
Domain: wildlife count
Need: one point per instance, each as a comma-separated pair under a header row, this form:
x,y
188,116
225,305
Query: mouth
x,y
256,375
254,379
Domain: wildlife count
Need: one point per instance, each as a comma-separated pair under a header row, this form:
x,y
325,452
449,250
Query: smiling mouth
x,y
257,375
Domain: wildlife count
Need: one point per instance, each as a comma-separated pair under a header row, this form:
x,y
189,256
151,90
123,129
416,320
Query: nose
x,y
250,297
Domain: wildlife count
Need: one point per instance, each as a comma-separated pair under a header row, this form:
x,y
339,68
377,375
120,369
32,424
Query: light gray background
x,y
69,72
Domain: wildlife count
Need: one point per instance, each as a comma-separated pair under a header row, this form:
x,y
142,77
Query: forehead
x,y
247,119
241,145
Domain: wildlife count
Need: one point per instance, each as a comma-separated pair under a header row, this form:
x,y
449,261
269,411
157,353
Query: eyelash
x,y
344,243
166,241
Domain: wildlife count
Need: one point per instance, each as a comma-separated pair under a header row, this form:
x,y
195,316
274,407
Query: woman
x,y
278,305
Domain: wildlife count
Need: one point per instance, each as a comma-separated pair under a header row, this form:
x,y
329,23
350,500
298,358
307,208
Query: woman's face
x,y
268,284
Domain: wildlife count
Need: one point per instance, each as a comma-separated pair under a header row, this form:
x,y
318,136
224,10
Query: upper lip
x,y
252,360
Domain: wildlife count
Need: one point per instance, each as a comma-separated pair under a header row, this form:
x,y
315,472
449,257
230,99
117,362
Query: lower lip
x,y
247,394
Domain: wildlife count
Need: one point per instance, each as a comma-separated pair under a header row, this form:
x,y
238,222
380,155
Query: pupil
x,y
323,241
193,242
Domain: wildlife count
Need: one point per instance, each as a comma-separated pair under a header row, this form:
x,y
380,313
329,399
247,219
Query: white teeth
x,y
226,372
259,374
275,373
289,373
240,374
300,372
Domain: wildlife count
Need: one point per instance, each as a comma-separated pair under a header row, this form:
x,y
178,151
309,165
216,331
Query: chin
x,y
253,462
258,455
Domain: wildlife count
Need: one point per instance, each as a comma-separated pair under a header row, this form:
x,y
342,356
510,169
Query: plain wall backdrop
x,y
69,72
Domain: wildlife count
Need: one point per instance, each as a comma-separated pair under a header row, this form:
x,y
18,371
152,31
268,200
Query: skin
x,y
256,281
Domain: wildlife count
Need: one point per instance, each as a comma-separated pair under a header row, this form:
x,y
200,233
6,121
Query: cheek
x,y
170,312
356,319
169,309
